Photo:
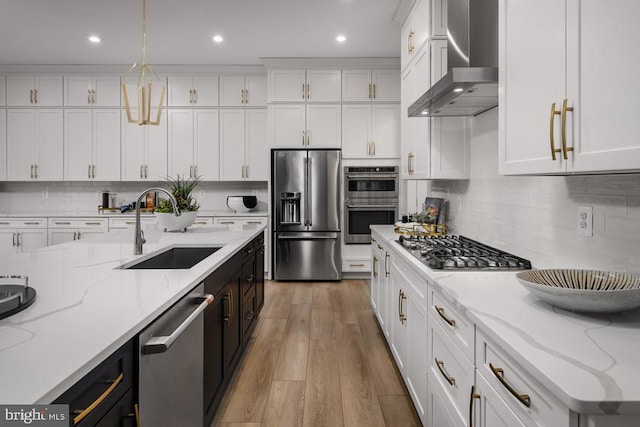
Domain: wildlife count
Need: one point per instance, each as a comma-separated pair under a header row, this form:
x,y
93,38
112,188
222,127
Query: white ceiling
x,y
180,31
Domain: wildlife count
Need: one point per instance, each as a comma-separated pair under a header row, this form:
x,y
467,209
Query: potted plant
x,y
182,189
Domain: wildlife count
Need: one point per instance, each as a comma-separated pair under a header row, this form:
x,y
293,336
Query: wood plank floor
x,y
317,358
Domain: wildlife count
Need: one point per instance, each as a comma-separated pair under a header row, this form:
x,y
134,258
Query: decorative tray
x,y
420,229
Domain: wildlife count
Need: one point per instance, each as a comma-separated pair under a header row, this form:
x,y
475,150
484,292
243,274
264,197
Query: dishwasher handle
x,y
163,343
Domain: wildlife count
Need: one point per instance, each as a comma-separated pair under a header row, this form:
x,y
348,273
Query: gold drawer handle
x,y
440,364
554,150
522,398
440,311
565,109
99,400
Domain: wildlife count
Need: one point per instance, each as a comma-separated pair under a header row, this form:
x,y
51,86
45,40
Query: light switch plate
x,y
585,221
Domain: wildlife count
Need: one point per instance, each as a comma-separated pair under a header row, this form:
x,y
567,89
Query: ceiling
x,y
180,31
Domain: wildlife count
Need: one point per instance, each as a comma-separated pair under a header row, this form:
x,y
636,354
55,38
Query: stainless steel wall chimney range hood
x,y
470,86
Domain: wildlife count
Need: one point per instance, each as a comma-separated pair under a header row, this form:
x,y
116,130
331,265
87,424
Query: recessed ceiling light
x,y
341,39
94,39
424,112
218,38
458,89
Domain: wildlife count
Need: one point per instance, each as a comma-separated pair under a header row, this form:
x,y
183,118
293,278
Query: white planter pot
x,y
170,222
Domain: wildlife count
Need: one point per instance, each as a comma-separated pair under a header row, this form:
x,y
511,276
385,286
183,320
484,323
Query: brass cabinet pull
x,y
89,171
373,146
254,222
403,317
373,239
386,264
146,171
302,90
35,167
356,265
14,240
93,223
250,278
195,96
522,398
246,171
35,96
303,138
565,149
62,223
375,267
410,163
440,311
410,42
31,96
369,90
440,364
32,223
308,91
551,131
75,235
246,96
380,247
88,96
83,413
473,397
140,171
374,91
228,299
93,171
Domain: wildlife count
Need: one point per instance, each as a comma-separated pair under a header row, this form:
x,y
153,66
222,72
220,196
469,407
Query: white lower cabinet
x,y
3,144
439,406
129,222
18,235
491,410
61,230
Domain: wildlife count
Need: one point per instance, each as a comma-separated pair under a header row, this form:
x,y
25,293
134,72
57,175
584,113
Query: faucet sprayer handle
x,y
142,237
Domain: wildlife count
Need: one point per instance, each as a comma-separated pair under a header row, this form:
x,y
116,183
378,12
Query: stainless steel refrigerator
x,y
305,188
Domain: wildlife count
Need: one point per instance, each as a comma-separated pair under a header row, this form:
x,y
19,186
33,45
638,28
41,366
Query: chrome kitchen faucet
x,y
139,238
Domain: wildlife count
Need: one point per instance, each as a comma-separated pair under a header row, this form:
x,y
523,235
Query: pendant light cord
x,y
144,32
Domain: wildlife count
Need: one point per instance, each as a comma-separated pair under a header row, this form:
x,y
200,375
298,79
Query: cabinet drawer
x,y
356,264
23,223
531,402
450,369
249,314
122,414
88,223
455,324
418,284
203,220
130,222
105,384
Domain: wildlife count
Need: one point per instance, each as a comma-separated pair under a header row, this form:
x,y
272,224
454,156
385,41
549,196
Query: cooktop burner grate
x,y
460,253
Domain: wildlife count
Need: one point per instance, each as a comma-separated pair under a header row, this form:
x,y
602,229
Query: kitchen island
x,y
487,331
87,307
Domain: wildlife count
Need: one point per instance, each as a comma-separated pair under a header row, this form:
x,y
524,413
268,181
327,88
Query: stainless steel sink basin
x,y
177,258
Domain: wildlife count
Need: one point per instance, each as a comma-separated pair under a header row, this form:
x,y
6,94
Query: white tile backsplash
x,y
20,197
535,216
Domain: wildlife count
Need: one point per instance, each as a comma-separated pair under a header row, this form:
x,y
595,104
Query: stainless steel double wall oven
x,y
370,197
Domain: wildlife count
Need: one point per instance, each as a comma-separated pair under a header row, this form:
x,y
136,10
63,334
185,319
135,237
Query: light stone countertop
x,y
115,214
86,307
589,362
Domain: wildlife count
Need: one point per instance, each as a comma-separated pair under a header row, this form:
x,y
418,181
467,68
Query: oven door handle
x,y
371,206
371,176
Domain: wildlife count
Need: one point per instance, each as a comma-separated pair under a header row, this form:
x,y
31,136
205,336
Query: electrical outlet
x,y
201,194
585,221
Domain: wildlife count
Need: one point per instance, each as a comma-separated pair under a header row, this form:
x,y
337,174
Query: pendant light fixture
x,y
148,81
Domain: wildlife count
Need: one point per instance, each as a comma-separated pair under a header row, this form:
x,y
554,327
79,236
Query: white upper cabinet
x,y
243,91
3,91
244,152
3,144
91,91
92,144
427,20
560,111
34,144
300,126
193,91
370,85
34,91
144,151
371,131
194,143
304,85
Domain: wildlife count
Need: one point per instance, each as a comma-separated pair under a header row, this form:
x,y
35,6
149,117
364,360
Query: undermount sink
x,y
176,258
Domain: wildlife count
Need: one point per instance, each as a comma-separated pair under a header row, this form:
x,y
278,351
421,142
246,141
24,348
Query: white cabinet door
x,y
27,90
144,151
385,85
61,236
106,144
398,328
450,139
231,91
439,409
490,410
92,145
323,86
603,135
356,85
3,145
96,91
29,240
77,145
190,91
530,84
287,85
207,144
3,91
232,145
34,145
206,91
180,144
324,128
356,131
385,130
180,91
257,155
417,354
255,91
287,126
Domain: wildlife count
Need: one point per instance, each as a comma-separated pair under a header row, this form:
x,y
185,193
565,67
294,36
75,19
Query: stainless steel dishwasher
x,y
171,364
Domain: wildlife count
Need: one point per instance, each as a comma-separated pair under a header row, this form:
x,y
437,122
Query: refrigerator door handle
x,y
306,191
309,194
308,237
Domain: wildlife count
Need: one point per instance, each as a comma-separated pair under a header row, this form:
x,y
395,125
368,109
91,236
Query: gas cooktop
x,y
460,253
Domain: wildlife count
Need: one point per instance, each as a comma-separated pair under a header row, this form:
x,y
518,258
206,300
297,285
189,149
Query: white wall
x,y
535,216
71,197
